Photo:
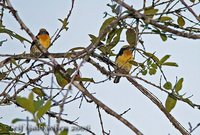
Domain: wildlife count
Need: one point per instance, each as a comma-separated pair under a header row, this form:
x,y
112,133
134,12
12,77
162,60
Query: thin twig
x,y
106,108
101,121
190,9
158,103
19,20
153,22
125,111
191,129
66,19
53,115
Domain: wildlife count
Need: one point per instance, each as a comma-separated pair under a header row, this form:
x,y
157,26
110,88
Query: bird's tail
x,y
116,80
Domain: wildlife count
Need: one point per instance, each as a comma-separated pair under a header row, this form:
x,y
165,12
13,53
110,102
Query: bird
x,y
122,61
44,40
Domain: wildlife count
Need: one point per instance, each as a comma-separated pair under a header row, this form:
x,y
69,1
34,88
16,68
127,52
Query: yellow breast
x,y
44,40
123,61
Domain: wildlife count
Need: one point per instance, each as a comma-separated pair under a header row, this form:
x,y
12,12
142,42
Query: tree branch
x,y
106,108
146,19
19,20
158,103
190,9
66,19
53,115
152,97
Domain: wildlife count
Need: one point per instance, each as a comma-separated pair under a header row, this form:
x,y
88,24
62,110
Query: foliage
x,y
5,129
36,107
124,24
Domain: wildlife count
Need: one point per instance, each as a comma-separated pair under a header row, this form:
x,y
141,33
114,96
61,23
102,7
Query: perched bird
x,y
44,40
122,61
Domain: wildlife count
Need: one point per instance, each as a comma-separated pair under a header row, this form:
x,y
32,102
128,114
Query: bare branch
x,y
66,19
19,20
158,103
106,108
146,19
53,115
101,121
190,9
153,98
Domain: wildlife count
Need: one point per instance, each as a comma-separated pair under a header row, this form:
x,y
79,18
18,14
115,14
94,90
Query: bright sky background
x,y
87,18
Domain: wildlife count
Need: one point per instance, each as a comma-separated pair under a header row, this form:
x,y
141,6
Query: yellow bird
x,y
44,40
122,61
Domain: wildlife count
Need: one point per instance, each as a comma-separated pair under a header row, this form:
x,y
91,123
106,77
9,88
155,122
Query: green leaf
x,y
163,37
154,66
180,21
61,80
31,96
64,23
111,35
149,62
113,7
26,104
85,79
5,129
106,23
152,71
168,85
12,34
38,104
64,132
193,1
157,31
70,71
41,125
150,55
165,19
179,85
114,38
164,59
172,64
135,63
131,37
44,109
16,120
170,103
144,72
150,11
141,65
38,91
103,49
2,75
93,38
189,101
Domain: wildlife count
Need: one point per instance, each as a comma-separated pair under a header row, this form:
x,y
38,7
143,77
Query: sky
x,y
87,18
